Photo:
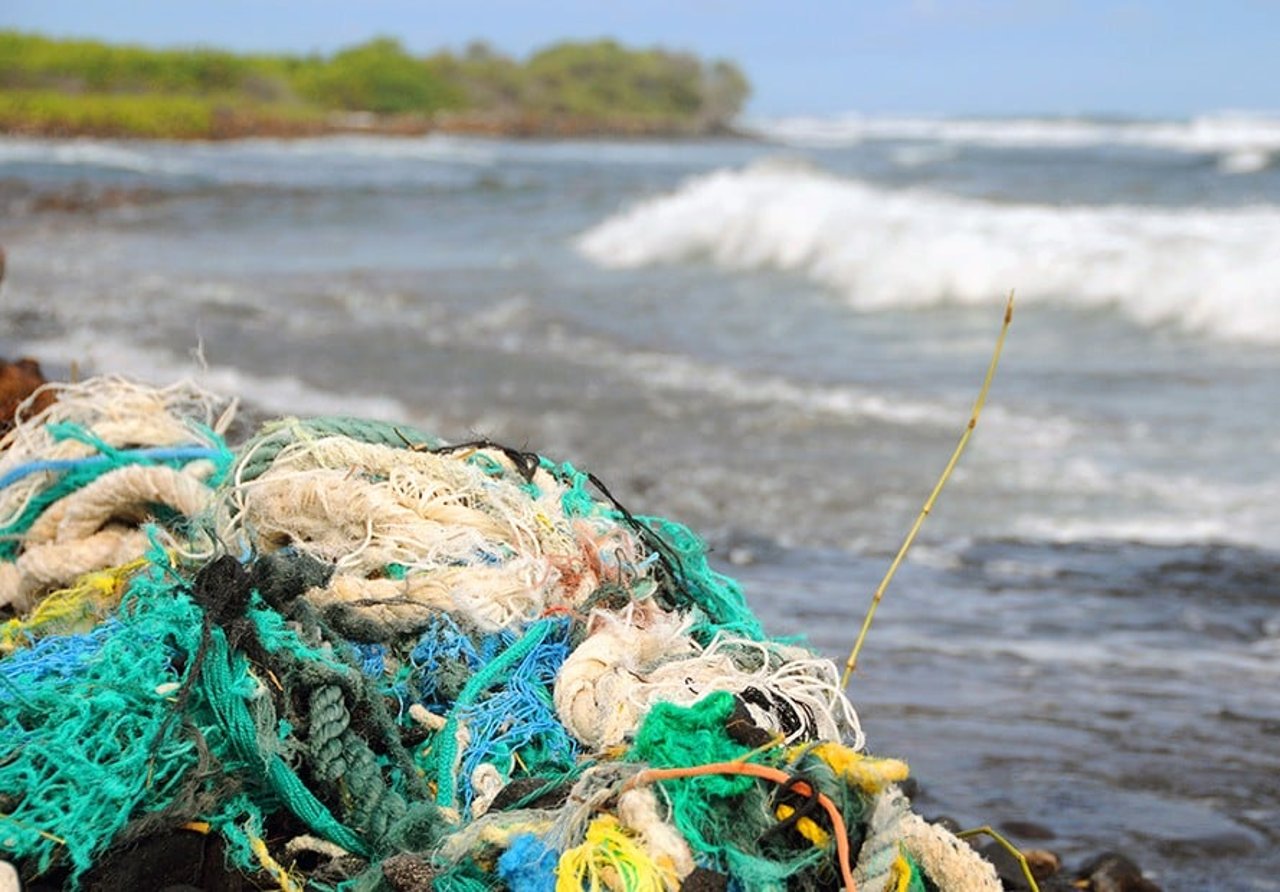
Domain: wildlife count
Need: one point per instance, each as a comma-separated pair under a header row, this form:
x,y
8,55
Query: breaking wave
x,y
1209,271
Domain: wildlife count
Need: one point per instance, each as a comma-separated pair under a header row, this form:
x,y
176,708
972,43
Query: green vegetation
x,y
71,87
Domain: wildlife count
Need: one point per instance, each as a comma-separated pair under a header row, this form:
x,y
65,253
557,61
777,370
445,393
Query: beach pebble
x,y
1045,867
1113,872
8,876
1042,862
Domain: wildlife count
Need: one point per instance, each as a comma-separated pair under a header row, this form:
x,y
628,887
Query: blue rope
x,y
57,655
520,716
158,453
372,658
494,671
528,865
442,643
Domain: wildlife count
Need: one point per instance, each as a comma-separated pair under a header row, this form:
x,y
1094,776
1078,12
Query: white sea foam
x,y
1224,133
434,147
1151,654
1246,161
102,154
1212,271
849,402
1169,509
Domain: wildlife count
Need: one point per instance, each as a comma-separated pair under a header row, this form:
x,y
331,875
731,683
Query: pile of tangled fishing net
x,y
348,655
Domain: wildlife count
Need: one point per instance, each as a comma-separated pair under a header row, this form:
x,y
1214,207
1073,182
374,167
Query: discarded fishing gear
x,y
349,656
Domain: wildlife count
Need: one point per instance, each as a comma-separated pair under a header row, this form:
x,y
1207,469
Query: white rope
x,y
483,545
639,657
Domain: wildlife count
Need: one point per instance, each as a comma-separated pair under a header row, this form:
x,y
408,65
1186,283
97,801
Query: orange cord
x,y
776,775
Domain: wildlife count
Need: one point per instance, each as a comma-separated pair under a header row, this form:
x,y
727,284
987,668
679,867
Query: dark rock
x,y
703,880
18,380
1026,830
524,787
1214,844
408,873
911,789
950,824
742,727
1113,872
181,860
1008,867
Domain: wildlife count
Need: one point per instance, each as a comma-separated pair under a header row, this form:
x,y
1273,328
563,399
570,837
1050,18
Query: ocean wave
x,y
1245,161
434,147
322,164
1222,132
683,374
87,153
1208,271
1227,134
504,328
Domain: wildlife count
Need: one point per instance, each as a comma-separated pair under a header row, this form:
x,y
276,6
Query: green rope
x,y
259,453
719,598
376,807
229,704
329,721
76,739
723,817
446,755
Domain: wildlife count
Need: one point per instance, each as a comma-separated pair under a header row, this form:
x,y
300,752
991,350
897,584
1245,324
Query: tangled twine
x,y
413,533
360,658
78,478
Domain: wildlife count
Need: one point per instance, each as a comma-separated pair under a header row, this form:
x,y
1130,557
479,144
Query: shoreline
x,y
233,126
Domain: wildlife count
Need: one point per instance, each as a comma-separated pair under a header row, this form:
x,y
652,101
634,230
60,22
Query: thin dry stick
x,y
852,662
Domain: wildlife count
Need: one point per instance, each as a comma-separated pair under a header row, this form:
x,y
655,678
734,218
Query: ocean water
x,y
778,341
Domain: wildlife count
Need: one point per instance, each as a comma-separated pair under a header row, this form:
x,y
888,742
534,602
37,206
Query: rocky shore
x,y
229,125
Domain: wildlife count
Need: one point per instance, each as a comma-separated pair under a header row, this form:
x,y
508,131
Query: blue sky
x,y
1175,57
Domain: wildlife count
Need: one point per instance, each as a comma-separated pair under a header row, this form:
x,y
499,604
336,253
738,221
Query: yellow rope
x,y
74,609
868,773
610,859
272,866
901,871
807,827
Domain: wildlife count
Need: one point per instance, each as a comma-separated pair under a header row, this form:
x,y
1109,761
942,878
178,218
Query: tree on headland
x,y
378,76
